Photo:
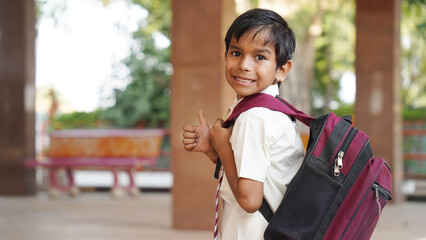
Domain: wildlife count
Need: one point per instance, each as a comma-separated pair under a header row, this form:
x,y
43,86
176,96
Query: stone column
x,y
17,95
377,65
198,51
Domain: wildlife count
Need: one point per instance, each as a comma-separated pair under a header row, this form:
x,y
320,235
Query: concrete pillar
x,y
198,81
17,95
378,105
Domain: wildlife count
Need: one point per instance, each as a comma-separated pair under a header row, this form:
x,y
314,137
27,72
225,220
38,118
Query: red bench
x,y
125,150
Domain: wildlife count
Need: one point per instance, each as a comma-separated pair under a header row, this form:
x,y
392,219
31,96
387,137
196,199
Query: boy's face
x,y
250,65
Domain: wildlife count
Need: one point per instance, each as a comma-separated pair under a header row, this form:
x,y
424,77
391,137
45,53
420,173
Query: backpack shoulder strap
x,y
266,210
270,102
266,101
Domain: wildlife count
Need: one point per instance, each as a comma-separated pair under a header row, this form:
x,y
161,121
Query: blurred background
x,y
107,64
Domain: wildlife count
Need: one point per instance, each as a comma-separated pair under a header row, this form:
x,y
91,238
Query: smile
x,y
244,80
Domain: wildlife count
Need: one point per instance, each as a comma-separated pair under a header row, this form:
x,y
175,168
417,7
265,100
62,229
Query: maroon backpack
x,y
340,189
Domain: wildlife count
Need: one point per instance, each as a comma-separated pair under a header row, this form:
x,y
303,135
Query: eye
x,y
235,53
260,57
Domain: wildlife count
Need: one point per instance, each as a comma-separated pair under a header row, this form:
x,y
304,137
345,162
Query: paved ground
x,y
96,216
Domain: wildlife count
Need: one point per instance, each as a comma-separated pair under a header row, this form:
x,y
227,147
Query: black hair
x,y
280,33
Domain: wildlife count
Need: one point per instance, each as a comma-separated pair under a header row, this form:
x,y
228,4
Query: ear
x,y
283,71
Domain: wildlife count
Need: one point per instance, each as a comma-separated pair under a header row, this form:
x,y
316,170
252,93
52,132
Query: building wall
x,y
198,82
17,95
378,104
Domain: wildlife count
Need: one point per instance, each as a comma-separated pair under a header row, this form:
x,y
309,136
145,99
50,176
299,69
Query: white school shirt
x,y
267,148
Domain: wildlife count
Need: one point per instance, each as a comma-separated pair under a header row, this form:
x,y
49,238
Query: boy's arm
x,y
197,138
247,192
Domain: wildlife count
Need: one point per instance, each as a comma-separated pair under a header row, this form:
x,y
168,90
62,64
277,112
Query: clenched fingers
x,y
190,128
187,141
190,135
189,147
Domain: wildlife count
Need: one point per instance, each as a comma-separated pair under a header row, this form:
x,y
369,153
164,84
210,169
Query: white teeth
x,y
244,80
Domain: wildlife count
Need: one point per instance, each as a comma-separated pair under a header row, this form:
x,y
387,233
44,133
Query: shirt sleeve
x,y
251,144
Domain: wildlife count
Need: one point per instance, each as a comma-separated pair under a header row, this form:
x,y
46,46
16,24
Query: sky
x,y
347,88
79,50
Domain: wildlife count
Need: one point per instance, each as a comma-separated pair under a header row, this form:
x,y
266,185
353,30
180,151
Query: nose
x,y
245,64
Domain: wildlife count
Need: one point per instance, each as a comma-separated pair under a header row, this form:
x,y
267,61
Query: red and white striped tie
x,y
216,220
216,229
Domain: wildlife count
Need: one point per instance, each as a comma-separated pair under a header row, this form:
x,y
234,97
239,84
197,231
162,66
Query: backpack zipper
x,y
376,190
338,162
380,191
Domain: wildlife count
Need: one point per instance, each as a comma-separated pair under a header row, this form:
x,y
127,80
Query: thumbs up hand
x,y
196,138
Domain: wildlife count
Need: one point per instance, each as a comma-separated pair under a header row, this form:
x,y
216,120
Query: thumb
x,y
201,118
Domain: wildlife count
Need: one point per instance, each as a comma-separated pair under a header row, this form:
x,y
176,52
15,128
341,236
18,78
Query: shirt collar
x,y
272,90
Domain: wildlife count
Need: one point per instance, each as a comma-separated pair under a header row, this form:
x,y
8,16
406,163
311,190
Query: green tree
x,y
146,99
334,55
325,34
413,51
76,120
159,18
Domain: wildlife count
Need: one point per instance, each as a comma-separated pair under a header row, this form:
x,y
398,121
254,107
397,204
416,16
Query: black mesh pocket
x,y
304,206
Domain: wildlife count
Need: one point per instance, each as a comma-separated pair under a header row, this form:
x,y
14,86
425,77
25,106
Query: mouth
x,y
244,80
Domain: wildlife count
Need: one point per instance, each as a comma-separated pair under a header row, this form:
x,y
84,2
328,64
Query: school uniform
x,y
267,148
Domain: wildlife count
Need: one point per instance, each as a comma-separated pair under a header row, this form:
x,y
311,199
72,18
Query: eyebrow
x,y
257,50
263,50
233,46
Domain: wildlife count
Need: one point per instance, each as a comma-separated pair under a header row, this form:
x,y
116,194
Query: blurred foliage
x,y
145,102
334,53
253,2
76,120
414,113
408,113
146,99
344,110
38,12
54,13
159,18
413,51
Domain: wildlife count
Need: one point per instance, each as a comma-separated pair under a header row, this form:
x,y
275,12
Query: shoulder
x,y
264,116
266,123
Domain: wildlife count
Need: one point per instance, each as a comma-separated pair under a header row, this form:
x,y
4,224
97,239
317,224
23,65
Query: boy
x,y
263,151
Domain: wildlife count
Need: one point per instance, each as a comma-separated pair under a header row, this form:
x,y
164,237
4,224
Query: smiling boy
x,y
263,151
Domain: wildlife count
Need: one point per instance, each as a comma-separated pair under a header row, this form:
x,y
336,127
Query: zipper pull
x,y
338,163
336,170
340,159
376,189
